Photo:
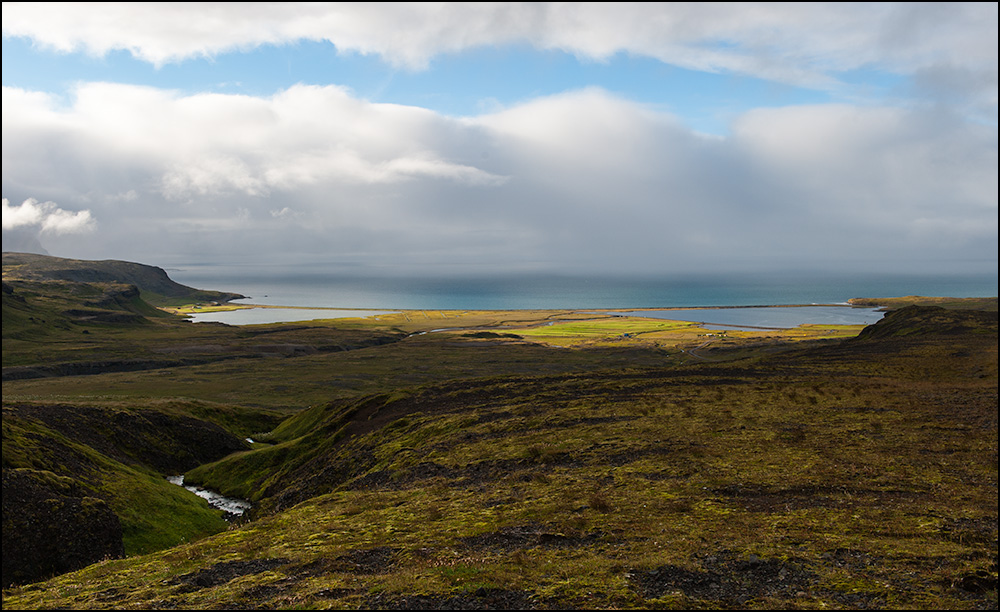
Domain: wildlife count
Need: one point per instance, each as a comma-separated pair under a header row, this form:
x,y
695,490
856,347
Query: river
x,y
232,506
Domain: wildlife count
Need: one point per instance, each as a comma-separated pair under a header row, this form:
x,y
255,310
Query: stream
x,y
232,506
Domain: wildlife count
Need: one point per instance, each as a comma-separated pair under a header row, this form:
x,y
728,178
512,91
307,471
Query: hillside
x,y
395,469
56,325
985,303
82,483
153,283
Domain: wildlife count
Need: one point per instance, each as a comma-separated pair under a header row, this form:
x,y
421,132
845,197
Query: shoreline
x,y
762,317
881,304
756,317
231,307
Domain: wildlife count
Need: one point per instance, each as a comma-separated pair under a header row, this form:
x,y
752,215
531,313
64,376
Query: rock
x,y
979,582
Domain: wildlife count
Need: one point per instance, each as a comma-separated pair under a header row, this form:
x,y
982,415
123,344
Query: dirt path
x,y
700,346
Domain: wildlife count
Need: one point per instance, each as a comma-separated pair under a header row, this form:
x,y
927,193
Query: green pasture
x,y
604,329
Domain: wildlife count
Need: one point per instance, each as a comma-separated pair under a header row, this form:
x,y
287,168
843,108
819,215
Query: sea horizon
x,y
317,287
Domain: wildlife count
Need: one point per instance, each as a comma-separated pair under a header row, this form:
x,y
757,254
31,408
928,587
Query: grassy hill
x,y
985,303
154,286
471,470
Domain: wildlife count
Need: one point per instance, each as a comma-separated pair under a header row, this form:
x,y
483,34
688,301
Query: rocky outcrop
x,y
52,526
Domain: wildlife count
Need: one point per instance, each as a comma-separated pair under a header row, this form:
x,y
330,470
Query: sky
x,y
454,138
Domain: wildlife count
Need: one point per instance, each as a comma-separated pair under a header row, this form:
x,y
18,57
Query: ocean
x,y
318,287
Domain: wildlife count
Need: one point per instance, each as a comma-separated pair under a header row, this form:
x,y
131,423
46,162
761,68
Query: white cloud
x,y
28,213
47,217
205,145
582,179
211,175
61,221
801,43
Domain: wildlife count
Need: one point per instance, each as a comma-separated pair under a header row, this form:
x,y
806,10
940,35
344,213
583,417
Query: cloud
x,y
871,162
580,180
801,43
47,217
584,180
210,144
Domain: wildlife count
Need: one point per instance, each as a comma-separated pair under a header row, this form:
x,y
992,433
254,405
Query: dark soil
x,y
510,539
726,580
221,573
480,599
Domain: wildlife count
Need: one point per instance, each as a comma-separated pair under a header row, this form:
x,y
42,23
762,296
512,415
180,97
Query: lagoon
x,y
259,316
767,317
740,318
